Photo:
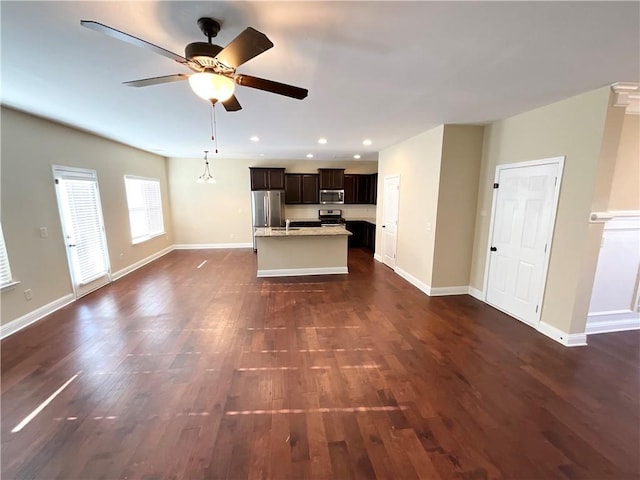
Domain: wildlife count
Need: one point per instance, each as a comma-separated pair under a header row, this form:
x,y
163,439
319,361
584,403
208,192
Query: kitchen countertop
x,y
371,220
301,232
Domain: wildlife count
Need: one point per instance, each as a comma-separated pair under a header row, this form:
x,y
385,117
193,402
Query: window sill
x,y
9,286
147,238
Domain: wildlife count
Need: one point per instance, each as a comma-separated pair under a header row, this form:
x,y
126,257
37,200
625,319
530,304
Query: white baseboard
x,y
140,263
298,272
566,339
619,323
39,313
377,257
420,285
443,291
475,293
35,315
431,291
204,246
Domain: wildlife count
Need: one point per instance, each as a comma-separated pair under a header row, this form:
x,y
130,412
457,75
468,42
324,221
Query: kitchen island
x,y
301,251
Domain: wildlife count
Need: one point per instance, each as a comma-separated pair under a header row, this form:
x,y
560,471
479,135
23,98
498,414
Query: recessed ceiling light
x,y
356,156
255,139
262,154
309,155
322,141
366,141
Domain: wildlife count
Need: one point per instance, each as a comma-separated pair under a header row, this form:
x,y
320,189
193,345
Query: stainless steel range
x,y
330,218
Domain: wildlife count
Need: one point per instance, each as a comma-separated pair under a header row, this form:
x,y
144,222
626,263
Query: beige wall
x,y
625,189
417,162
438,190
221,213
457,196
30,146
573,128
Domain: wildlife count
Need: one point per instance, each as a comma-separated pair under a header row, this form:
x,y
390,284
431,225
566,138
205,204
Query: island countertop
x,y
302,232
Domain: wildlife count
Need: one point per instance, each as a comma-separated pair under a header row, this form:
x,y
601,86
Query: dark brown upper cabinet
x,y
301,188
267,178
373,190
310,188
360,188
350,188
363,187
293,188
331,178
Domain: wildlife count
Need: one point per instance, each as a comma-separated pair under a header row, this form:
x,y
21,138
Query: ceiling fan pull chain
x,y
211,121
215,127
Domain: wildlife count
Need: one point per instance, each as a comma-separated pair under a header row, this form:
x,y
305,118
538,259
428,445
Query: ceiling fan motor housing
x,y
203,53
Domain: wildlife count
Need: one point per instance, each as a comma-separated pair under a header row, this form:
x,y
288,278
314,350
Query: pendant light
x,y
206,176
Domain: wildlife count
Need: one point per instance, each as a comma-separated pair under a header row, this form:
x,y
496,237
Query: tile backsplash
x,y
310,212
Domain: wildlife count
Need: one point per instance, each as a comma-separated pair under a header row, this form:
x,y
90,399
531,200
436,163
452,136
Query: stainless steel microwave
x,y
329,197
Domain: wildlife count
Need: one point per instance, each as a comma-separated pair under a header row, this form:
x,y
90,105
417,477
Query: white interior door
x,y
522,226
390,220
82,227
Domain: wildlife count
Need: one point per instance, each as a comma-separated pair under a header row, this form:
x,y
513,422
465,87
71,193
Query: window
x,y
5,270
145,208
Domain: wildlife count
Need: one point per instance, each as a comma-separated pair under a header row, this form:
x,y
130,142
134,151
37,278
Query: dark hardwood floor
x,y
201,373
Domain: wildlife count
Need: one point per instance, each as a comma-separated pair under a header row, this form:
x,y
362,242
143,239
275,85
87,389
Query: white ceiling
x,y
379,70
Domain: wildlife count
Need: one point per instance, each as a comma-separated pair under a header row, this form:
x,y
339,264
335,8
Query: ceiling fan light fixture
x,y
211,86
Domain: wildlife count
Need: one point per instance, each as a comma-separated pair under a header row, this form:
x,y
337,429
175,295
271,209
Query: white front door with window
x,y
82,227
524,208
390,220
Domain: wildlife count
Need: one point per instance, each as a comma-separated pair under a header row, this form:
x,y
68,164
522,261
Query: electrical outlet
x,y
43,232
233,236
122,255
27,294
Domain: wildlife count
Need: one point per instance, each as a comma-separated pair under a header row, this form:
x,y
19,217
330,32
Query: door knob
x,y
384,226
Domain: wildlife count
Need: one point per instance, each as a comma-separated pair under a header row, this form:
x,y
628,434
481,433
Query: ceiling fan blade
x,y
244,47
146,82
125,37
271,86
232,104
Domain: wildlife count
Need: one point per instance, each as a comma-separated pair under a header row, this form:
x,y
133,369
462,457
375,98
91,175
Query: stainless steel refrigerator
x,y
267,209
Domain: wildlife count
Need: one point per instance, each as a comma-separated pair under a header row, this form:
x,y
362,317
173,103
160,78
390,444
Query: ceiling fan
x,y
214,67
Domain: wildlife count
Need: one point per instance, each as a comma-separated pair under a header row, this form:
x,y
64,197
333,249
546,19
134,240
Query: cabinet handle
x,y
493,249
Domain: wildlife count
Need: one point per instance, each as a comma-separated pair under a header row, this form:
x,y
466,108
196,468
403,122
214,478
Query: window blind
x,y
145,208
82,201
5,269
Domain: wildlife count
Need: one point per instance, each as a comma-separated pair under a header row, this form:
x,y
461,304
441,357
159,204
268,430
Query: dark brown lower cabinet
x,y
364,234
